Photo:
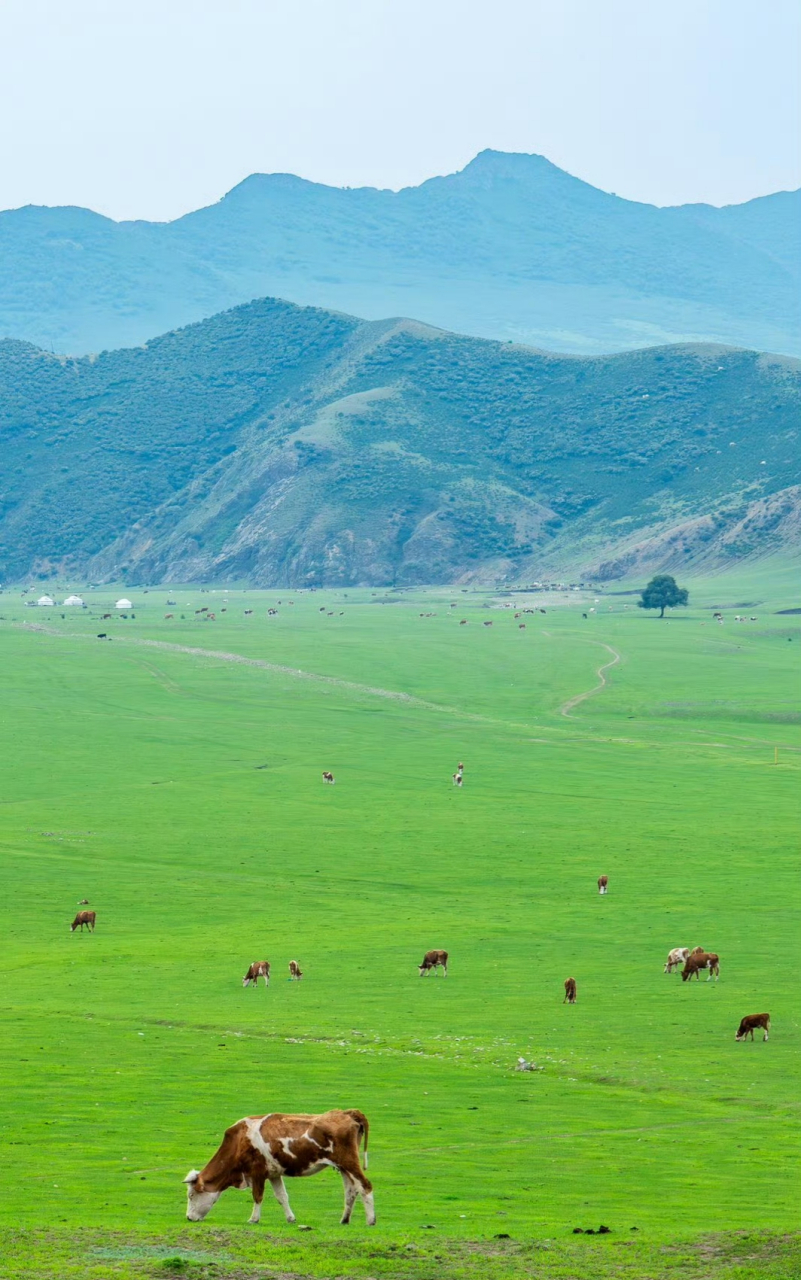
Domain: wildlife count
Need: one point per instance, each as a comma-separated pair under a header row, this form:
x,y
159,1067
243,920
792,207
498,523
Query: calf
x,y
677,957
570,991
84,918
432,960
603,884
295,970
269,1148
749,1024
259,969
695,962
328,777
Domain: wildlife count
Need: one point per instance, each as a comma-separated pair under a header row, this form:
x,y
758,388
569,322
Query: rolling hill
x,y
511,247
282,445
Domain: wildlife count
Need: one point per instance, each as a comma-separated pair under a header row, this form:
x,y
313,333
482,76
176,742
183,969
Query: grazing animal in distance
x,y
487,624
570,991
463,622
84,902
521,626
432,960
248,612
749,1024
259,969
295,970
603,884
106,615
102,635
86,918
677,957
269,1148
167,616
457,779
695,962
328,777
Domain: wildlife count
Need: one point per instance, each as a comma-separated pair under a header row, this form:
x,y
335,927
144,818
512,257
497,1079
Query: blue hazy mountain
x,y
511,247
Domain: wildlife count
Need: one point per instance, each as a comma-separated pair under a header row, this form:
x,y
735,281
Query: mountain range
x,y
294,446
511,247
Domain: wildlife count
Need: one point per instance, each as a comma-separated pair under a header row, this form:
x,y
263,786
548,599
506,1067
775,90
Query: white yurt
x,y
123,604
46,601
74,602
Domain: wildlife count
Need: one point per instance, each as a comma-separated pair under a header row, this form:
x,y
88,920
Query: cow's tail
x,y
364,1129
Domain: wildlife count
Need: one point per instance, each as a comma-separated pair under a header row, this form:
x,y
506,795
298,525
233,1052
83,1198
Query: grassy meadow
x,y
180,792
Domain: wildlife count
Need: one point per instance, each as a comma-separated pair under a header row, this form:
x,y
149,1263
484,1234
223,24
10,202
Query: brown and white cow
x,y
432,960
295,970
570,991
457,779
603,884
84,918
677,957
261,1149
749,1024
696,961
328,777
259,969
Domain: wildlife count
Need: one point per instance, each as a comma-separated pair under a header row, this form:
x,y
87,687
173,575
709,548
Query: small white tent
x,y
123,604
74,602
45,600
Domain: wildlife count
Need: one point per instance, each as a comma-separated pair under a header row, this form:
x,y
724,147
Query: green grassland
x,y
181,793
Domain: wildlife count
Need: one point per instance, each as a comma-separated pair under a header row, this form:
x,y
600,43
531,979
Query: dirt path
x,y
568,706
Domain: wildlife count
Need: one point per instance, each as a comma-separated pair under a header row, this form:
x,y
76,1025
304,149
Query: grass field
x,y
181,793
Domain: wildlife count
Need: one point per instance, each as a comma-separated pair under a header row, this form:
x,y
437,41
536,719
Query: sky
x,y
150,108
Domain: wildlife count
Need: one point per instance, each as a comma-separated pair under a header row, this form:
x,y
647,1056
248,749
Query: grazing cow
x,y
106,615
487,624
463,622
259,969
521,626
457,779
102,635
696,962
570,991
248,612
295,970
83,918
749,1024
167,616
677,957
603,884
269,1148
432,960
84,902
328,777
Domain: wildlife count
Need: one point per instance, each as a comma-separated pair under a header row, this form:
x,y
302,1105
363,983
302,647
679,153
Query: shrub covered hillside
x,y
288,445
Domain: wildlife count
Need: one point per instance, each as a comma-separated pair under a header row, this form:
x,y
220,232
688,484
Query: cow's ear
x,y
192,1176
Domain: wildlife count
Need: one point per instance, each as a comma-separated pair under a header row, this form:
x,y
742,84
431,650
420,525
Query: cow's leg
x,y
279,1191
351,1191
257,1186
764,1038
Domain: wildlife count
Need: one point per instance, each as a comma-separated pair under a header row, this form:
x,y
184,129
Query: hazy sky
x,y
148,108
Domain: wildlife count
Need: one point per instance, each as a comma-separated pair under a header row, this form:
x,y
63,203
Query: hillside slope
x,y
510,248
284,445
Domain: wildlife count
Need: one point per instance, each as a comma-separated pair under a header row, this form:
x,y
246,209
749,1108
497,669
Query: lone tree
x,y
663,592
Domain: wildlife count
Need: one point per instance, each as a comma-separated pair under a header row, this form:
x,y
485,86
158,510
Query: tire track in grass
x,y
568,706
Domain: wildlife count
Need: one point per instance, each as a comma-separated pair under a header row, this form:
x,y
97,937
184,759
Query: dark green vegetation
x,y
511,247
181,794
284,445
663,592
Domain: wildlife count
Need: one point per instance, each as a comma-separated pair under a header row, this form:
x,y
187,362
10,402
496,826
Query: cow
x,y
432,960
328,777
463,622
248,612
84,902
259,969
570,991
167,616
603,884
677,957
521,626
106,615
457,779
295,970
84,918
260,1149
102,635
696,961
749,1024
487,624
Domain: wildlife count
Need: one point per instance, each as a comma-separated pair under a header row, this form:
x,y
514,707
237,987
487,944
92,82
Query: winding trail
x,y
568,706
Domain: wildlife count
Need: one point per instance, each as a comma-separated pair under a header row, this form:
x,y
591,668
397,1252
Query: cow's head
x,y
686,973
740,1034
199,1200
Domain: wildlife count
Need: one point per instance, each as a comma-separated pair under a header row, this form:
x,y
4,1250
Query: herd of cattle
x,y
261,1149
